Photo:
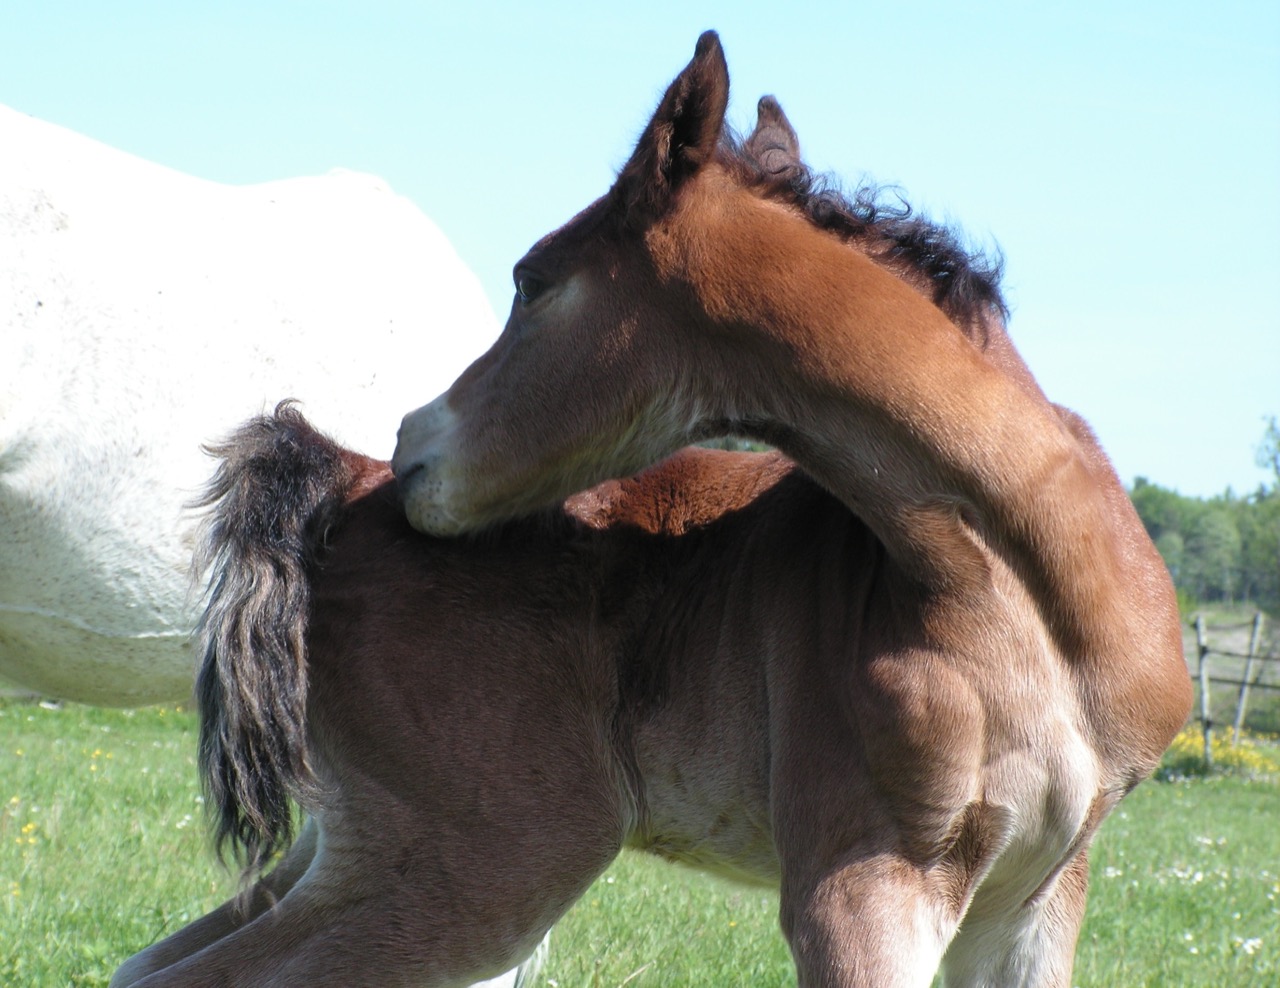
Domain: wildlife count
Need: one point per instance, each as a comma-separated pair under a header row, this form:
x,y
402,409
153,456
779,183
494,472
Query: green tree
x,y
1268,454
1172,549
1259,525
1226,548
1260,528
1212,561
1166,515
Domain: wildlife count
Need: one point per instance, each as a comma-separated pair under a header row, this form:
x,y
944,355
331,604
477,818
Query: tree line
x,y
1224,548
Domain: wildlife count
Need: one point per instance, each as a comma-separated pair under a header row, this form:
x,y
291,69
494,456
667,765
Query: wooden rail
x,y
1255,665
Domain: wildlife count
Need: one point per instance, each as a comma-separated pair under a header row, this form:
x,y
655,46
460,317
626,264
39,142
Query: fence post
x,y
1206,722
1243,700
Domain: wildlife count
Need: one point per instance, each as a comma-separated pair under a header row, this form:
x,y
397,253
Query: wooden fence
x,y
1255,667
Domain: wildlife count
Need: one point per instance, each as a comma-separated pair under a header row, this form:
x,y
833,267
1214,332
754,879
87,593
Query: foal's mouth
x,y
411,480
405,477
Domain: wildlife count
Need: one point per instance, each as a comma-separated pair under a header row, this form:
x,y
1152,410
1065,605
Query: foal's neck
x,y
881,398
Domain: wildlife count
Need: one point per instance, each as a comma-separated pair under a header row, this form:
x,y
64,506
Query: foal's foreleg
x,y
1030,944
227,918
871,922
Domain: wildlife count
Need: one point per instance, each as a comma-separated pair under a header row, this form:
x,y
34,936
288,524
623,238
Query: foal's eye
x,y
527,287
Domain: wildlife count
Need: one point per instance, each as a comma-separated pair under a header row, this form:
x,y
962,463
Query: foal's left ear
x,y
773,144
681,137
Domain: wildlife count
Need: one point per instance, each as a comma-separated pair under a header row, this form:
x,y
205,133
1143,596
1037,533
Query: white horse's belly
x,y
58,657
94,604
144,313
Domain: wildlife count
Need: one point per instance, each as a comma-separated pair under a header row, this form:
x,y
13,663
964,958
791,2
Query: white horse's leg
x,y
1031,946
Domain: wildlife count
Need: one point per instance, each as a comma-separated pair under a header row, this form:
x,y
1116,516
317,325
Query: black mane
x,y
962,281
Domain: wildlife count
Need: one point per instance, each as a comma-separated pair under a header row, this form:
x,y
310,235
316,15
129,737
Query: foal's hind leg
x,y
167,959
309,940
227,918
271,948
1031,944
352,919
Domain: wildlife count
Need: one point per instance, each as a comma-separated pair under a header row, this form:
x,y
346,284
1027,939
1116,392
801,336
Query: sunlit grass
x,y
648,923
102,839
103,850
1186,888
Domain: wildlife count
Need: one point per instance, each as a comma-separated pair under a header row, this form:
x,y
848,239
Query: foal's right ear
x,y
681,137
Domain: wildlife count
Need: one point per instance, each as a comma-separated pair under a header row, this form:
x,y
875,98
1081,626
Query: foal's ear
x,y
681,137
773,144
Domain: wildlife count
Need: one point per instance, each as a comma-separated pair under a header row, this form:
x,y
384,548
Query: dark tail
x,y
279,488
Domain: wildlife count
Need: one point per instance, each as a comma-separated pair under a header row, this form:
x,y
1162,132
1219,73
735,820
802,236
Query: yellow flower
x,y
1252,754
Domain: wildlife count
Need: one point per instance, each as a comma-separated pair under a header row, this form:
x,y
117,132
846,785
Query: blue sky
x,y
1124,156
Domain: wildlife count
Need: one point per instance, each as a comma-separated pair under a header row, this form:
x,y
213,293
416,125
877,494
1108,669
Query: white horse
x,y
144,312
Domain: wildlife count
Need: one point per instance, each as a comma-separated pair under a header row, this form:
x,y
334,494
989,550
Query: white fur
x,y
144,312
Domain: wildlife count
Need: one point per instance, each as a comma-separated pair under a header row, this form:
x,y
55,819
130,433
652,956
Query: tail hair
x,y
280,487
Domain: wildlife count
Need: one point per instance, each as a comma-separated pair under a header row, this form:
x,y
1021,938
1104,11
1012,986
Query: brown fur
x,y
489,721
906,681
1009,667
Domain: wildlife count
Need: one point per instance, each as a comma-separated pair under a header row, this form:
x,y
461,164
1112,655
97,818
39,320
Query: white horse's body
x,y
144,312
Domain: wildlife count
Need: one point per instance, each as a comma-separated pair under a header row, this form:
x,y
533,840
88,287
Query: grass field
x,y
102,851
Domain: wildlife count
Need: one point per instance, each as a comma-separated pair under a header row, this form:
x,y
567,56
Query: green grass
x,y
1186,888
102,839
102,851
